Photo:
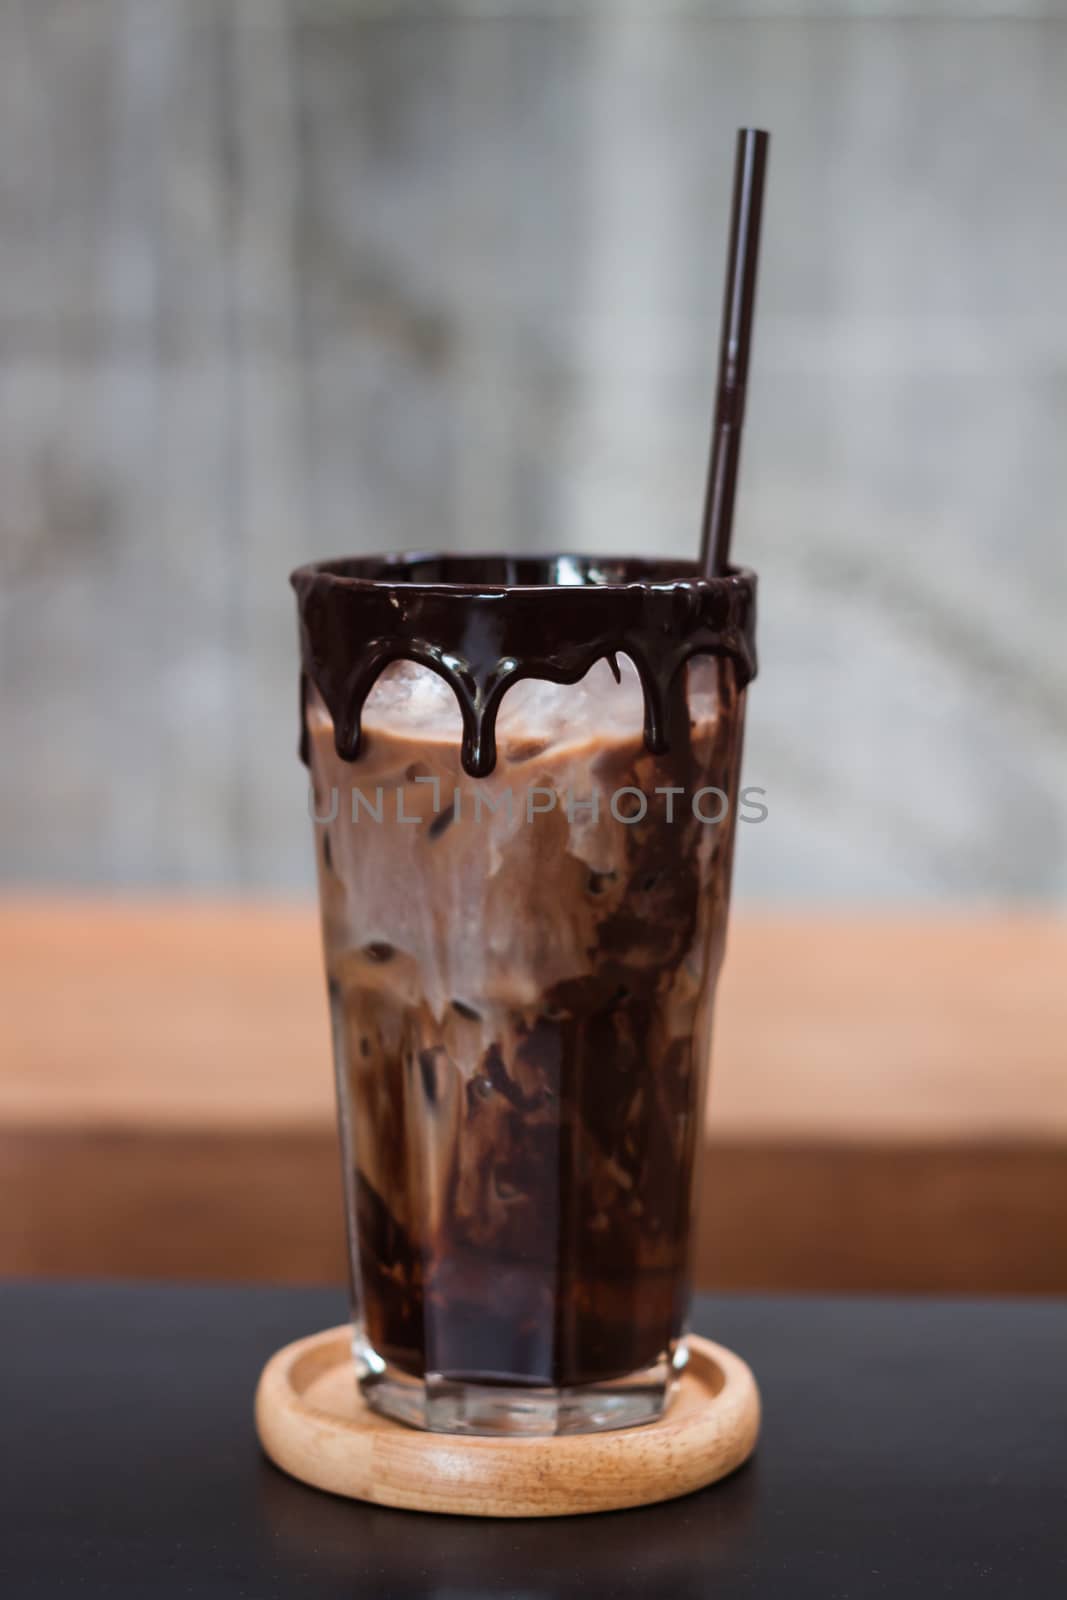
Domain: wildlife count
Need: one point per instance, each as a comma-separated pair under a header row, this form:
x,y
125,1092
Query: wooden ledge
x,y
889,1101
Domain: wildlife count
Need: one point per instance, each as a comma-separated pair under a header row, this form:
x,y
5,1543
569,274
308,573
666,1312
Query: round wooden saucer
x,y
313,1423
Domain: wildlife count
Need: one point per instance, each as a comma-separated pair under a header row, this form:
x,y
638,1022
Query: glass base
x,y
441,1404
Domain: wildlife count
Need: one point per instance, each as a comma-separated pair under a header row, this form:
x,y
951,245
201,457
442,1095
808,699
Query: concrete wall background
x,y
283,278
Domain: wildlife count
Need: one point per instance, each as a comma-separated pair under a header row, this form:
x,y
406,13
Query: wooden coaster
x,y
313,1423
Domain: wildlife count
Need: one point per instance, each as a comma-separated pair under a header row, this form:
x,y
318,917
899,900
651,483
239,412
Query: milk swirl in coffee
x,y
521,1003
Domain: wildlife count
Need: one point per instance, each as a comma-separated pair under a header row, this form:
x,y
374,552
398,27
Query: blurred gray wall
x,y
285,278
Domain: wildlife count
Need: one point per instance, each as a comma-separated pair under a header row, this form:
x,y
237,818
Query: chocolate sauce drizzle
x,y
484,622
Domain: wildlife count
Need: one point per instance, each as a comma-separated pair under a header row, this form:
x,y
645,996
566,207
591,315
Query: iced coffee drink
x,y
523,927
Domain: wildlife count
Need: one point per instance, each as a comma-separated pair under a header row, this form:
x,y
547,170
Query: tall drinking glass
x,y
524,888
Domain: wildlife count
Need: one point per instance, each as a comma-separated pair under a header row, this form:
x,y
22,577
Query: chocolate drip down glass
x,y
524,784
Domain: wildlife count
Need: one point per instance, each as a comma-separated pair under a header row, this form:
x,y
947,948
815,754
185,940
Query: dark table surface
x,y
909,1448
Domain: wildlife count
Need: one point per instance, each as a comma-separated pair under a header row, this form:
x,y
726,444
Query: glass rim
x,y
498,572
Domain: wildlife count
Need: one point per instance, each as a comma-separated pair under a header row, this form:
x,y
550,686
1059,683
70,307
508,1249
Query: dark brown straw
x,y
735,343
